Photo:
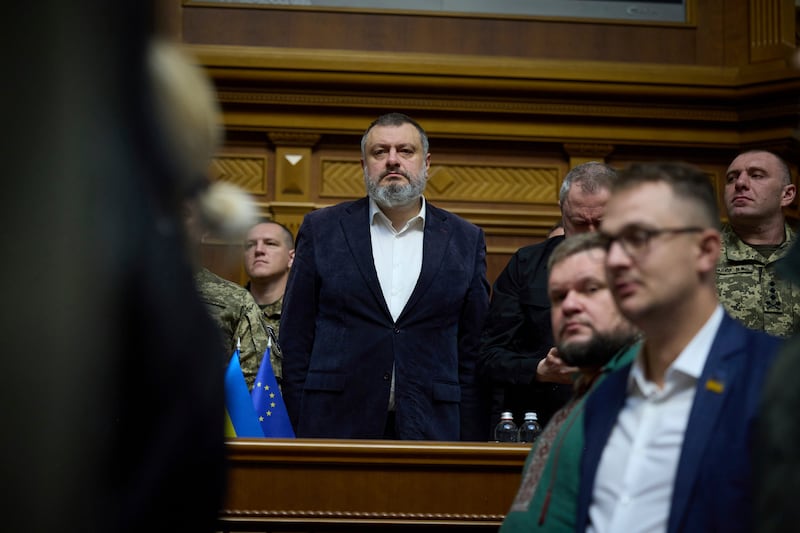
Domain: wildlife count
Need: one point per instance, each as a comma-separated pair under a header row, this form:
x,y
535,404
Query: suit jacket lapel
x,y
355,225
713,387
434,246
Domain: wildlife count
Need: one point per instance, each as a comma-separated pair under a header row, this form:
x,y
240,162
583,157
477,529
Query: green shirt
x,y
547,497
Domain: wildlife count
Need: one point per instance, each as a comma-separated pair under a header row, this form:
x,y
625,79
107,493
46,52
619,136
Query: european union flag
x,y
268,402
240,418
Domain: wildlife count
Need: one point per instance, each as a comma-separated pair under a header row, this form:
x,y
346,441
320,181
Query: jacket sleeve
x,y
474,400
512,344
298,320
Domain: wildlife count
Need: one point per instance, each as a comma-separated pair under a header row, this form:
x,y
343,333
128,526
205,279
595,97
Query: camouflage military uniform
x,y
238,317
752,291
272,314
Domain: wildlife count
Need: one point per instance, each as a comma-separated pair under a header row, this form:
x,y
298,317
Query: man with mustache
x,y
758,185
384,306
593,336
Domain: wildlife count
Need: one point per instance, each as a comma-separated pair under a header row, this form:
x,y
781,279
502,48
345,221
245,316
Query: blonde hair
x,y
187,107
189,113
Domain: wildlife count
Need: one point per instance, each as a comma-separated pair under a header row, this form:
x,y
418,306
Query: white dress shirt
x,y
398,260
636,474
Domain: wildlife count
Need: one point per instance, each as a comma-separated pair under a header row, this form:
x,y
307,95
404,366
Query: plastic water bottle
x,y
530,428
506,429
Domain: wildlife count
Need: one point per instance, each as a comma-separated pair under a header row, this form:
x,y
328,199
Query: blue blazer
x,y
714,484
340,342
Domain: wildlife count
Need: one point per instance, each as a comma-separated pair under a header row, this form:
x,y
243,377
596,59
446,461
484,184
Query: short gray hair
x,y
591,176
394,119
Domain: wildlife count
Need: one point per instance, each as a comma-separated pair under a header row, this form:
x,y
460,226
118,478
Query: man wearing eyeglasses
x,y
667,437
517,354
758,185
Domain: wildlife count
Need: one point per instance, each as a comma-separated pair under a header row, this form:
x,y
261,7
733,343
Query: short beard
x,y
395,194
597,351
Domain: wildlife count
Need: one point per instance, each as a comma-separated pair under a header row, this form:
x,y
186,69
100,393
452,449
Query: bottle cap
x,y
506,414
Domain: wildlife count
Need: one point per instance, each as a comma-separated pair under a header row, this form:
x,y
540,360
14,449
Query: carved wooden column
x,y
292,177
771,29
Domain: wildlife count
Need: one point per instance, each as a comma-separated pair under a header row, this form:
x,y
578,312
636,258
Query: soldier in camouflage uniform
x,y
238,317
758,185
268,256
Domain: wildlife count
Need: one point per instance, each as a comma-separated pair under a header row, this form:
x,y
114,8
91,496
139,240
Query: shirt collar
x,y
690,361
375,214
735,249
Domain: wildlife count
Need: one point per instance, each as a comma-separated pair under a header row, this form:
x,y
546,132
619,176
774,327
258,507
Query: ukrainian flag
x,y
240,417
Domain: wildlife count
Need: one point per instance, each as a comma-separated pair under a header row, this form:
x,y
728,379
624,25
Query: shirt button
x,y
397,330
387,376
625,499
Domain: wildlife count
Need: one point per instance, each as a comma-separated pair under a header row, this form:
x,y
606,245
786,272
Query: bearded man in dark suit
x,y
384,307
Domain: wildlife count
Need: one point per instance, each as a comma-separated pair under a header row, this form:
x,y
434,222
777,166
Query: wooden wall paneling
x,y
772,29
280,26
687,91
224,258
249,172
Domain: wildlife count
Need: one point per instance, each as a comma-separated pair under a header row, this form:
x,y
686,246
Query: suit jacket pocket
x,y
446,392
319,381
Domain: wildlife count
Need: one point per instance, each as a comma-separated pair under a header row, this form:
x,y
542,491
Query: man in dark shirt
x,y
517,337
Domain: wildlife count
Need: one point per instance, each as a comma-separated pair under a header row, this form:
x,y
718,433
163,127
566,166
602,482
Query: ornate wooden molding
x,y
293,138
483,106
492,74
771,29
248,172
597,151
366,517
454,182
299,94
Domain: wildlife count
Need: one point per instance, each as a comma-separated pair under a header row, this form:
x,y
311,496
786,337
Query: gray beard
x,y
597,351
395,194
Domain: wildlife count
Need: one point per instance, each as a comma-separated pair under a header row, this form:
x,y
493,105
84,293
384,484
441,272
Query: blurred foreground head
x,y
189,114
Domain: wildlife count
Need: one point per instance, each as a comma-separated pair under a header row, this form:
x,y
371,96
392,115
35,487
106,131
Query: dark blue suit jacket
x,y
339,340
714,482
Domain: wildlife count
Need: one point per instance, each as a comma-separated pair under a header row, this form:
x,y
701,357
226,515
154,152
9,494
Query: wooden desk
x,y
347,485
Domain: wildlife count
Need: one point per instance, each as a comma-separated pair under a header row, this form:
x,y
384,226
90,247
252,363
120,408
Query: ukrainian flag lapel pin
x,y
715,384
